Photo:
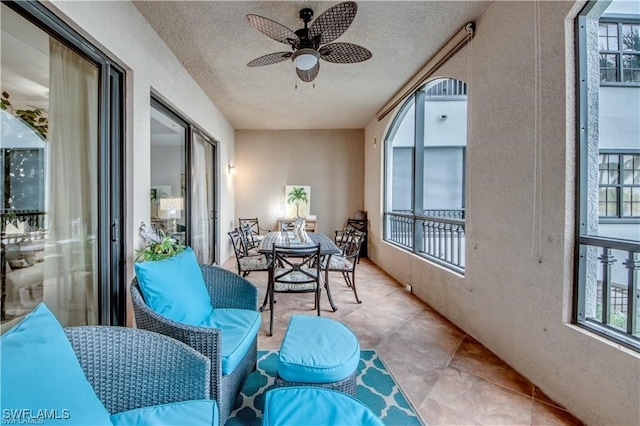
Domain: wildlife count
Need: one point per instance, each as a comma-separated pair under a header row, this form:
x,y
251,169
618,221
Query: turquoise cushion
x,y
317,350
200,412
239,328
315,406
174,288
40,371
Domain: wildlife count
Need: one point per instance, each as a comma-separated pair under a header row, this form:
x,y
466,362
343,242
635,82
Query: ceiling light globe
x,y
305,59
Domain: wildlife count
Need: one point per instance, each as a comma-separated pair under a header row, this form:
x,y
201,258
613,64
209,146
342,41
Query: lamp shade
x,y
171,208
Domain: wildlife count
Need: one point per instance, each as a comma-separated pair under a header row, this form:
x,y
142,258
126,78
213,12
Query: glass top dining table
x,y
283,238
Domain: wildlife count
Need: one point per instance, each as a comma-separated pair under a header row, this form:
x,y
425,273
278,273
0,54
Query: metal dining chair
x,y
295,270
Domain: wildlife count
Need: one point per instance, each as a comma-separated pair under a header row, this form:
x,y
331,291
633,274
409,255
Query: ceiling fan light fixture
x,y
305,58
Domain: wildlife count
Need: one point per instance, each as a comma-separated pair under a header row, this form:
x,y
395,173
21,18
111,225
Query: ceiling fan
x,y
310,44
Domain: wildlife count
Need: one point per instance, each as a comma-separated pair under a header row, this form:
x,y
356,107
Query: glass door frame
x,y
111,268
191,130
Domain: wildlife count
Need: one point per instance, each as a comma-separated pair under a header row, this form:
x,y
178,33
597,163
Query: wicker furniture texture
x,y
227,290
130,368
347,385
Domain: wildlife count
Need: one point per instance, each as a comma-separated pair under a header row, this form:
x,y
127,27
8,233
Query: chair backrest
x,y
237,241
247,235
296,266
252,223
351,247
357,224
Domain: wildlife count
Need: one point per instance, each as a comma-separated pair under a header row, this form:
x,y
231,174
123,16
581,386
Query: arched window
x,y
425,193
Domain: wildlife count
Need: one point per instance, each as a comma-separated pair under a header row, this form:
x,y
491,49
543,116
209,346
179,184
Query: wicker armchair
x,y
227,290
130,368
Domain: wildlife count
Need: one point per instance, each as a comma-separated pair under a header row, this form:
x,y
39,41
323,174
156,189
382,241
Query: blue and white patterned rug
x,y
376,388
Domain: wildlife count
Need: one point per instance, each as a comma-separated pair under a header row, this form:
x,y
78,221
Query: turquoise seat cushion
x,y
317,350
239,328
315,406
42,378
174,288
197,412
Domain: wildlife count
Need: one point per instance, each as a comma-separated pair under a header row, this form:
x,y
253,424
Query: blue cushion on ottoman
x,y
239,329
42,378
174,288
301,405
199,412
317,350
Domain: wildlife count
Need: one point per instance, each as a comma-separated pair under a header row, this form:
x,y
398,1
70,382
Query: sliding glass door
x,y
183,205
60,158
168,183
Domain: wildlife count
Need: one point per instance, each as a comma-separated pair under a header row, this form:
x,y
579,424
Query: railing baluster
x,y
442,237
633,265
607,260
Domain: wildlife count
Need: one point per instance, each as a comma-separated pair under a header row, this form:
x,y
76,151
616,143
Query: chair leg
x,y
353,286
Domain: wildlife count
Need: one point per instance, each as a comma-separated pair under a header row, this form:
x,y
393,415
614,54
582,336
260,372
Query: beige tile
x,y
548,415
435,414
483,401
477,360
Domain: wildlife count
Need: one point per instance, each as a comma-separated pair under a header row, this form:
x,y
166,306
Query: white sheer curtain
x,y
70,279
201,232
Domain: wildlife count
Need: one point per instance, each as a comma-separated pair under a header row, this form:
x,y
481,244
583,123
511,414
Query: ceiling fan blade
x,y
333,22
344,53
310,74
273,30
270,59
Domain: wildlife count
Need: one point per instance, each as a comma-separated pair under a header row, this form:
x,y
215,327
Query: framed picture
x,y
156,194
298,200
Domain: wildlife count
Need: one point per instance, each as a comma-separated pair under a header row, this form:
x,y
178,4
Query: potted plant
x,y
158,245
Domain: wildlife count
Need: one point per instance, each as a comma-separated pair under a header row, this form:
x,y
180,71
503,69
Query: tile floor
x,y
450,378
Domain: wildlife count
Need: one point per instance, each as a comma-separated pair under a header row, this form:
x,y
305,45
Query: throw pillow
x,y
174,288
42,381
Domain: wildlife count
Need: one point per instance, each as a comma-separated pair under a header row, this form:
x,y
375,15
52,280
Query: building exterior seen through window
x,y
607,299
425,173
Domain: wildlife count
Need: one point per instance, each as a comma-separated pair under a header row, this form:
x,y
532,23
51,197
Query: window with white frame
x,y
607,297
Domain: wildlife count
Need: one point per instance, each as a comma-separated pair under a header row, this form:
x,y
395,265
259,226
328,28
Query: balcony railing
x,y
438,235
616,278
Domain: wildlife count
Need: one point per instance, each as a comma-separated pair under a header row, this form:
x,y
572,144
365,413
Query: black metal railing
x,y
617,281
439,235
443,240
33,219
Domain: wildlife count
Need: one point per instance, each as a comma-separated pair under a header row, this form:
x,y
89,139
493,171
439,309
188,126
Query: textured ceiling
x,y
214,41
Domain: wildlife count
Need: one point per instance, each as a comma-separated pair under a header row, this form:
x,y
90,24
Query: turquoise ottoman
x,y
315,406
318,351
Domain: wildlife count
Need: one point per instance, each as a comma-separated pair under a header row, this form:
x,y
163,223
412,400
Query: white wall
x,y
119,30
516,295
330,161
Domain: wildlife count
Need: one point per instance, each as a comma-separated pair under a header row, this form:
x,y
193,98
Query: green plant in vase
x,y
158,245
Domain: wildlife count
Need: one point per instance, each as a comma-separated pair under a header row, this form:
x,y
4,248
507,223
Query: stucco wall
x,y
516,295
119,30
330,161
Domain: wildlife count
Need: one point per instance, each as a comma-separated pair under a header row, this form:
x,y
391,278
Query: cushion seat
x,y
239,329
317,350
202,412
315,406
